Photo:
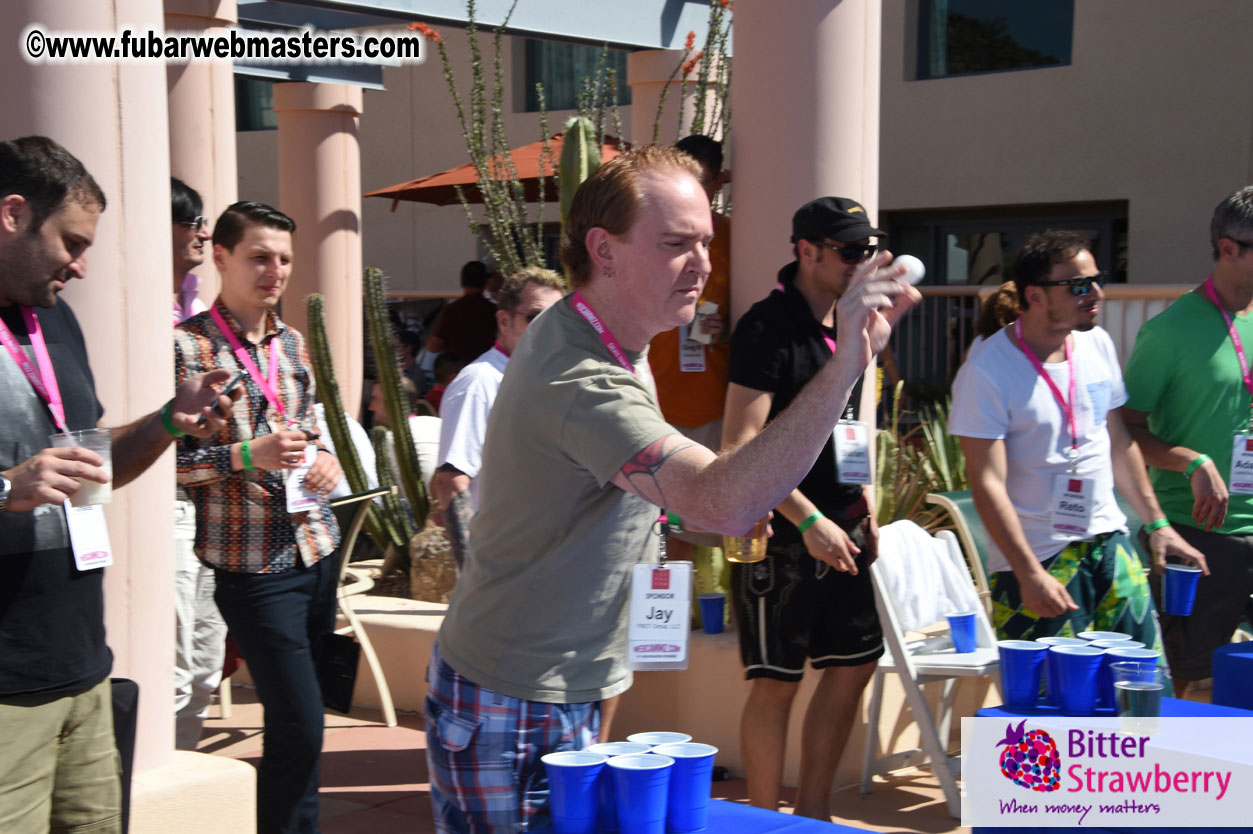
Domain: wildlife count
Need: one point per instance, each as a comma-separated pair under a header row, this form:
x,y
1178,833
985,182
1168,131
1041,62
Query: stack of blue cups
x,y
653,783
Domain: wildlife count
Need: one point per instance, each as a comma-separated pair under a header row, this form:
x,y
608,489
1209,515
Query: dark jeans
x,y
278,620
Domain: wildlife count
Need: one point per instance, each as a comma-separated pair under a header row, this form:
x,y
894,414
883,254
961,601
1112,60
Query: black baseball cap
x,y
838,218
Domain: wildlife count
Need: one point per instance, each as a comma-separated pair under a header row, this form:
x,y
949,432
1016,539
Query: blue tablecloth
x,y
734,818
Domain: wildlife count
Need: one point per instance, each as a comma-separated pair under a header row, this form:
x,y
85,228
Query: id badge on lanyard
x,y
89,536
660,612
1240,481
691,352
1071,515
852,452
300,499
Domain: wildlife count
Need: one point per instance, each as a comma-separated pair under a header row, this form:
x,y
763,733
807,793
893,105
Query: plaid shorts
x,y
483,752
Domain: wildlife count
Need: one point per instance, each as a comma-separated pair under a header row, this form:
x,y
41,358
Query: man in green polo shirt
x,y
1189,394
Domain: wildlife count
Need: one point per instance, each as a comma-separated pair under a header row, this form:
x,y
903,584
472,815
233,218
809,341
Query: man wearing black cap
x,y
811,597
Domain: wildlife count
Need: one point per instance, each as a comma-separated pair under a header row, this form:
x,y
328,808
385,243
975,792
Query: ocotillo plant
x,y
393,394
337,422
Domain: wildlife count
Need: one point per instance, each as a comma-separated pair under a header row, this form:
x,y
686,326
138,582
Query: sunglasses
x,y
1241,243
530,317
1080,286
199,223
850,253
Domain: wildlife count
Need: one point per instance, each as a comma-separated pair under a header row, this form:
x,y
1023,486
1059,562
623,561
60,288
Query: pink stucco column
x,y
123,306
319,180
649,73
201,100
805,105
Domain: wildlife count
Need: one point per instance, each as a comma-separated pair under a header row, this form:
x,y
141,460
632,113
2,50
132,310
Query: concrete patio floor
x,y
374,777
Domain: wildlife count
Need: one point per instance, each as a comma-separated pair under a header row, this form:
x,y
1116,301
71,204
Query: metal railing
x,y
931,342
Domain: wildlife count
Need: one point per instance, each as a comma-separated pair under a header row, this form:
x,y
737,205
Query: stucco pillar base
x,y
191,788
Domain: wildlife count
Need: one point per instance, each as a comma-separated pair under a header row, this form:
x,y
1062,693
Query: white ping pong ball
x,y
914,270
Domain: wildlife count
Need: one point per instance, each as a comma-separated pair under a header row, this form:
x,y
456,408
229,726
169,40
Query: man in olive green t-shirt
x,y
576,463
1188,396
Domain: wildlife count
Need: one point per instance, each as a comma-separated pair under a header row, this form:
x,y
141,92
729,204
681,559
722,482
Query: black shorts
x,y
1222,601
790,607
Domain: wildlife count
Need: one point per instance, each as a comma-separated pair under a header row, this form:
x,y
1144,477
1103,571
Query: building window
x,y
562,68
254,104
963,37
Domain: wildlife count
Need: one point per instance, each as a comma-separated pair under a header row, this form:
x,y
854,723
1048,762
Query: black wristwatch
x,y
6,486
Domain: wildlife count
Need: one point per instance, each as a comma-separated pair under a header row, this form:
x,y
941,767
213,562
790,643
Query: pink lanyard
x,y
500,347
1067,409
267,386
615,349
40,375
1235,339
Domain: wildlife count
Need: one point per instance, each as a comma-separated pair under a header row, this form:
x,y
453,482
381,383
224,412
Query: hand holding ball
x,y
914,270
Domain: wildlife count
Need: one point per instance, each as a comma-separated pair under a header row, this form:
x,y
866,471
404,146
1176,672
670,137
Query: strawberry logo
x,y
1030,759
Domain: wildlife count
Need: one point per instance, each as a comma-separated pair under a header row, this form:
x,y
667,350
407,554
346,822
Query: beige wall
x,y
1154,109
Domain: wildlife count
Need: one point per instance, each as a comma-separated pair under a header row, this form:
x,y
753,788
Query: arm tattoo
x,y
650,459
457,524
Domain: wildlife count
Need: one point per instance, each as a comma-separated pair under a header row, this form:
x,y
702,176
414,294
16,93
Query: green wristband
x,y
245,455
168,422
1155,525
1198,461
809,521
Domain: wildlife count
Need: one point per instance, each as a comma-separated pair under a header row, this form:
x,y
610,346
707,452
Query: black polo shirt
x,y
51,614
778,346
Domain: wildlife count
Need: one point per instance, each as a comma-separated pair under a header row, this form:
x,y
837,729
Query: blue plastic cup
x,y
691,782
712,612
961,626
655,738
642,784
1077,674
1179,589
574,789
1022,662
1051,685
608,796
1104,635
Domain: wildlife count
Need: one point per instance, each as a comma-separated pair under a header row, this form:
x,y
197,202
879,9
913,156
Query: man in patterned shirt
x,y
262,519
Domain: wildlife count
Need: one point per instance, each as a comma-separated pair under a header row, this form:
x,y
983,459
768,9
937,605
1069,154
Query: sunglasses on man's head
x,y
850,253
1078,286
199,223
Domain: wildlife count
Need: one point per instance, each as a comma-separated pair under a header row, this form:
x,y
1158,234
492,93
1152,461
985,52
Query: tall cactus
x,y
393,394
580,157
398,521
337,421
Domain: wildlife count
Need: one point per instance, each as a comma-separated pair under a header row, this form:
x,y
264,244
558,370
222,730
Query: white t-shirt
x,y
365,453
464,411
999,395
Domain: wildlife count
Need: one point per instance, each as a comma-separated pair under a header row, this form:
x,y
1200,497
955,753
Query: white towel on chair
x,y
918,573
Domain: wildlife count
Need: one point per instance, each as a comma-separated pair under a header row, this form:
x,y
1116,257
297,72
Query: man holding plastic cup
x,y
262,517
1189,389
812,598
58,761
577,463
1036,413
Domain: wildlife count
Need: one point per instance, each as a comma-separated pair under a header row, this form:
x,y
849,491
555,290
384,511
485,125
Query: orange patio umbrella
x,y
440,189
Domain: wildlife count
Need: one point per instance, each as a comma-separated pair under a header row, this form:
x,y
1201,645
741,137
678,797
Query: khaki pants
x,y
59,766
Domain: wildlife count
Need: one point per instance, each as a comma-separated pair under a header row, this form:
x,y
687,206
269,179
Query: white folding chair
x,y
917,579
353,582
